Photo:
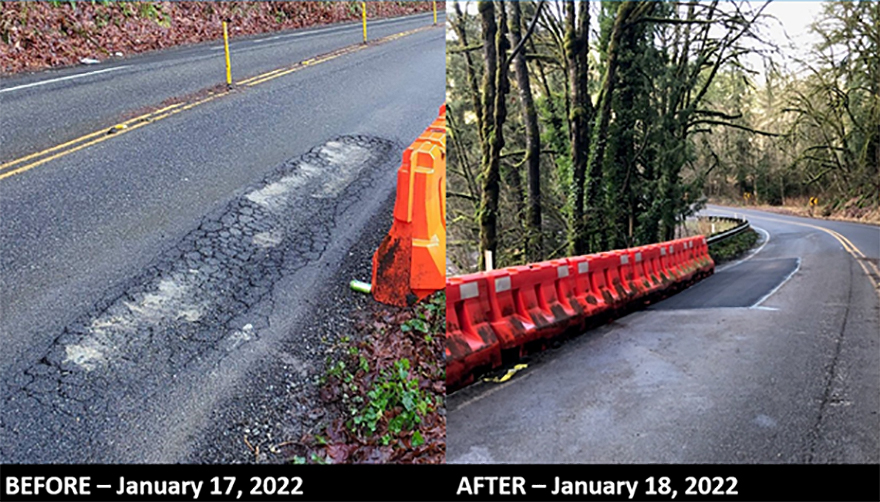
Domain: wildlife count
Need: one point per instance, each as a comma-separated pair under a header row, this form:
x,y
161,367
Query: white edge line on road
x,y
768,295
70,77
753,253
760,307
306,33
691,309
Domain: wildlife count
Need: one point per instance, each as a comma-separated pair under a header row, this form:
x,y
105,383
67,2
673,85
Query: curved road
x,y
775,358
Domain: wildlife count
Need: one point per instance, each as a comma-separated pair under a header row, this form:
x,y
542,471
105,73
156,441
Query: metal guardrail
x,y
742,225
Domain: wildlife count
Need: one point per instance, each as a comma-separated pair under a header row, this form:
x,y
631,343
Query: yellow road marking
x,y
303,65
104,134
844,241
848,246
259,76
859,252
265,77
137,125
507,376
87,136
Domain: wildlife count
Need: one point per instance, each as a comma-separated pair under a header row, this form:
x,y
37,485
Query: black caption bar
x,y
448,482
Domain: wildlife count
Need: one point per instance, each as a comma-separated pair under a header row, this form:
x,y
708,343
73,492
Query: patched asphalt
x,y
795,381
744,286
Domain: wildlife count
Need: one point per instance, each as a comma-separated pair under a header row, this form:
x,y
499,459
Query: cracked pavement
x,y
191,310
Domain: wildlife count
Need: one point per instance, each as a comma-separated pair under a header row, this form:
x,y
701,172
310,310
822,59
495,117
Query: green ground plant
x,y
388,386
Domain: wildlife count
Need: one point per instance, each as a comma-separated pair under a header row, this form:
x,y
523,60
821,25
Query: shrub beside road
x,y
733,246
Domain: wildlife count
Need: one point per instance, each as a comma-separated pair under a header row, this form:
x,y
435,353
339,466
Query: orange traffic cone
x,y
410,264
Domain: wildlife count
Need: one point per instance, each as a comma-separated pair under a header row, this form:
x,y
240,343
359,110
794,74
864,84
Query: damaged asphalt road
x,y
207,304
151,277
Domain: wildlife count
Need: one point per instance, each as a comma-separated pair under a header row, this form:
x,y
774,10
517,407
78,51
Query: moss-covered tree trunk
x,y
576,47
533,237
599,139
495,85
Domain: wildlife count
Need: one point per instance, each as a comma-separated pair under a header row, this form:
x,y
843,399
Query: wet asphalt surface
x,y
97,100
174,289
775,359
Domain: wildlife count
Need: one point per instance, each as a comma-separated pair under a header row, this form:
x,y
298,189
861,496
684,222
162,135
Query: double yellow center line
x,y
28,162
868,266
19,165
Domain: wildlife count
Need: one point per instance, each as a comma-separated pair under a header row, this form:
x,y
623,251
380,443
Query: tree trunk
x,y
579,116
494,114
533,238
461,32
600,131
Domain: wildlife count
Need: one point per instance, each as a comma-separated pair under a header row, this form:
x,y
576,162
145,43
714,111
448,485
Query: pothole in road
x,y
197,302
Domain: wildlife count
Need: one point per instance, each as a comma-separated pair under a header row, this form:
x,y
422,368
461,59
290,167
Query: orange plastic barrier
x,y
494,318
473,346
510,319
588,286
410,264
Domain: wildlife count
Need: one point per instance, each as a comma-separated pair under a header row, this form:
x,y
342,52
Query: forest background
x,y
578,127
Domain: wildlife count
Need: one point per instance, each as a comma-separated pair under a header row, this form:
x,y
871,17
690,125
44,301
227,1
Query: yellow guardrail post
x,y
435,12
226,48
364,15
